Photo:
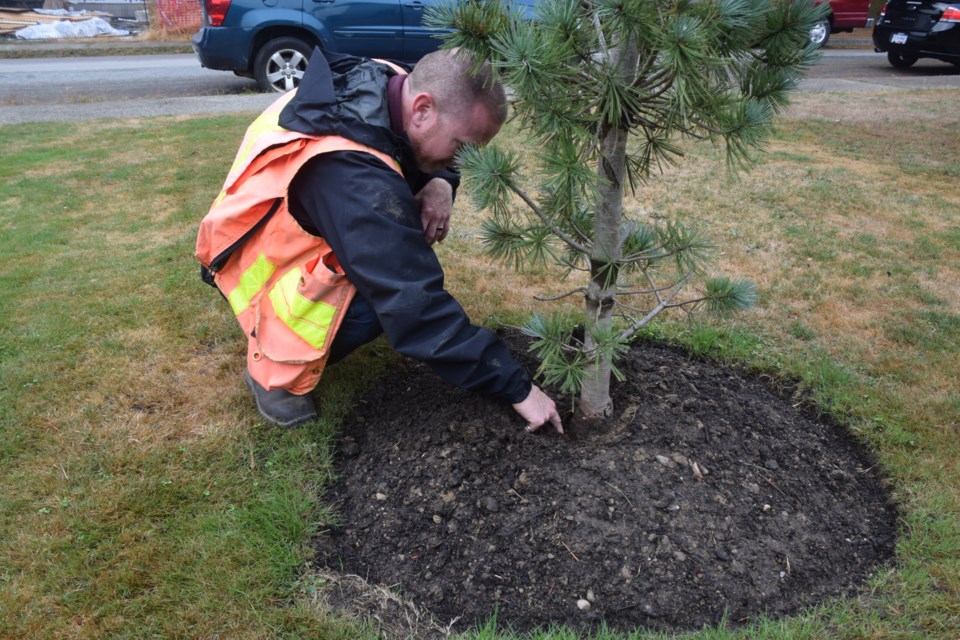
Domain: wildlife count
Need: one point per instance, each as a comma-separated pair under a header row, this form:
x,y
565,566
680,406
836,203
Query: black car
x,y
912,29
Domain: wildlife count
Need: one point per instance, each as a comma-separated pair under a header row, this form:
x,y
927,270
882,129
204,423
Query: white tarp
x,y
60,12
67,29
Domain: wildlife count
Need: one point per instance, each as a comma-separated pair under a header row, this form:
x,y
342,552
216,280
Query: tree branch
x,y
662,77
649,254
601,39
643,68
547,221
575,347
656,292
562,295
662,306
580,233
572,267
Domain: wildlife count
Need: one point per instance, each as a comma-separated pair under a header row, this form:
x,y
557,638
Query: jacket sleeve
x,y
367,213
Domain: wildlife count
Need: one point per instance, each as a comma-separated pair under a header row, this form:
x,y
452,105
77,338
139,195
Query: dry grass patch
x,y
875,108
485,287
388,615
943,284
165,236
168,399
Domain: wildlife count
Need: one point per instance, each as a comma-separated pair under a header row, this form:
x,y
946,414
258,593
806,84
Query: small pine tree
x,y
606,89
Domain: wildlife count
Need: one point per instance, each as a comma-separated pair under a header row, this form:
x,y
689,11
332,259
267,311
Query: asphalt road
x,y
69,89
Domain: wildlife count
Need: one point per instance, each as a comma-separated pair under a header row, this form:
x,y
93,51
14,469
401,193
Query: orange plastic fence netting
x,y
178,15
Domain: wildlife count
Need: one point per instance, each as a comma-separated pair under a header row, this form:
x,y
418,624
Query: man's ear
x,y
424,109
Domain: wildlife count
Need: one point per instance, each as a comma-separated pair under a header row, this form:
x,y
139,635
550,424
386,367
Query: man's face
x,y
437,137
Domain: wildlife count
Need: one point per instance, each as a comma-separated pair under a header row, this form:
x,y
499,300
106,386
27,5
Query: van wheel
x,y
901,60
820,33
280,64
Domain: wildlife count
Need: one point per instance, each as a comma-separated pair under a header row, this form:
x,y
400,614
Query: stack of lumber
x,y
13,19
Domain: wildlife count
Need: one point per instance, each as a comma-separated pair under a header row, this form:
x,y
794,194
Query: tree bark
x,y
595,401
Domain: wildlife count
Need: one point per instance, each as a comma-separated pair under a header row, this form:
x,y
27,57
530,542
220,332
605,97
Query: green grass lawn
x,y
141,497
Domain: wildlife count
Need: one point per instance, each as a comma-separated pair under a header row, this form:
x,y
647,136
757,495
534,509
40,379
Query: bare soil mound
x,y
711,496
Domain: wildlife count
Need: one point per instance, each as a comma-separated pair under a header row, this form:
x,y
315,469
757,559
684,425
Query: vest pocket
x,y
308,302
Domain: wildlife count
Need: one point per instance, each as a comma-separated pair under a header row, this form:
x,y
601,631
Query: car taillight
x,y
952,14
216,11
883,12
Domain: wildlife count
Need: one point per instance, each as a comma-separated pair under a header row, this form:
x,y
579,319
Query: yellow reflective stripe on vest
x,y
251,281
308,319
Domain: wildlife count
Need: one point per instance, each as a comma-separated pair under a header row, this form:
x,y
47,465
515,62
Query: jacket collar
x,y
346,96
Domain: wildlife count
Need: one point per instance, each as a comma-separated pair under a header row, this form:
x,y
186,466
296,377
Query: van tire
x,y
280,64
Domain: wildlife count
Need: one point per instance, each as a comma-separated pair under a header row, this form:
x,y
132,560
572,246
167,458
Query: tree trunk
x,y
595,401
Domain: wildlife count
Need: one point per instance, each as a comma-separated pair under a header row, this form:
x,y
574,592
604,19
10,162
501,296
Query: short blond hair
x,y
456,88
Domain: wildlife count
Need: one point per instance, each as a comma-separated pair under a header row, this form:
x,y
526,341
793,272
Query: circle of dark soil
x,y
711,496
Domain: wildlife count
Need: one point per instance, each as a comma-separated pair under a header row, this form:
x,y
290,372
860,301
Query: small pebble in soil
x,y
349,448
583,605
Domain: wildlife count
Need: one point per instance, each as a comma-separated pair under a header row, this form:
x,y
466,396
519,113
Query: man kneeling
x,y
321,237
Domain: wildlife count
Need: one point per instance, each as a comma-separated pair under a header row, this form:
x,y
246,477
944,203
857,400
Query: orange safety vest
x,y
285,285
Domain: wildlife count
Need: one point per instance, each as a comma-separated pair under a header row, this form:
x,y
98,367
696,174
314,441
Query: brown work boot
x,y
280,407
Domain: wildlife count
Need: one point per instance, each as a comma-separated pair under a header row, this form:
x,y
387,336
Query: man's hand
x,y
538,409
436,203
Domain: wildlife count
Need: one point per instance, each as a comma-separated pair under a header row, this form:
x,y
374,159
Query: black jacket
x,y
367,213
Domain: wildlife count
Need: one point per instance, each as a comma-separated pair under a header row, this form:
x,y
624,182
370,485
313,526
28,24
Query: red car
x,y
845,15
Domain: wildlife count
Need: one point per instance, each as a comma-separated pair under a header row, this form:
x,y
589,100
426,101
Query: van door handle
x,y
415,5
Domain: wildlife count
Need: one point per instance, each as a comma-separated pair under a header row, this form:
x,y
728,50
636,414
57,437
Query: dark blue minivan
x,y
271,40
